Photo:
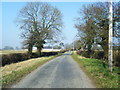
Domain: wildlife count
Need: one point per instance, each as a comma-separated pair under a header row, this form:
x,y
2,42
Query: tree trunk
x,y
104,45
89,50
30,51
39,51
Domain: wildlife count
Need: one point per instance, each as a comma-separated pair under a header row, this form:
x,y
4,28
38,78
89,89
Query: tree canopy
x,y
39,21
93,24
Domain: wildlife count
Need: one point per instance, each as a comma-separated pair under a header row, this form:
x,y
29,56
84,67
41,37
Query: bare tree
x,y
86,29
94,24
40,21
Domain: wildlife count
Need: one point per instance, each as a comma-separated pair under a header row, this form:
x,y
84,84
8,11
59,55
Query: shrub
x,y
18,57
83,53
79,52
49,53
98,54
13,58
116,57
62,51
101,55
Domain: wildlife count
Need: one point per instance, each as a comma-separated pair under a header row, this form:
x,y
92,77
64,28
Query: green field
x,y
98,72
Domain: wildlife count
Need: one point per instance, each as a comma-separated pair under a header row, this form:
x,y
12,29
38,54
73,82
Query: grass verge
x,y
14,72
98,71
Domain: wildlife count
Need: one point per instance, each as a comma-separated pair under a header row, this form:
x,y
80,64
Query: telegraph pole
x,y
110,44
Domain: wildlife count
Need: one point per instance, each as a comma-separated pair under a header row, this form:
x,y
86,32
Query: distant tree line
x,y
39,22
10,48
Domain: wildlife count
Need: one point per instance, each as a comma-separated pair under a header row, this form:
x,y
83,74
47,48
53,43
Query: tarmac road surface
x,y
61,72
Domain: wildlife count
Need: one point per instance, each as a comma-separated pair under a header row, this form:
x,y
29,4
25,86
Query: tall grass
x,y
99,72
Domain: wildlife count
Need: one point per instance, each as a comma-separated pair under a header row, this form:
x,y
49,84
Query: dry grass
x,y
13,72
18,66
80,57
